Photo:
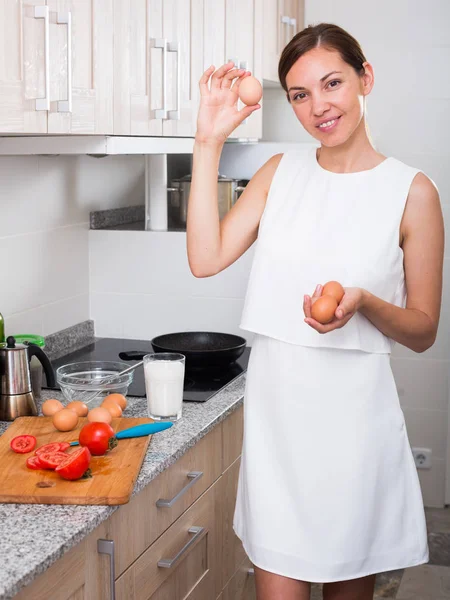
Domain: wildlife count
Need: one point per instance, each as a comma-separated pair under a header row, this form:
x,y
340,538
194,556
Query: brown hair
x,y
325,35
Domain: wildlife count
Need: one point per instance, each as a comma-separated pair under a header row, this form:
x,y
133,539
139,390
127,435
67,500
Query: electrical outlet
x,y
422,457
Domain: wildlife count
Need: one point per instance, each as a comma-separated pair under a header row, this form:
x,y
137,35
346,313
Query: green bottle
x,y
2,329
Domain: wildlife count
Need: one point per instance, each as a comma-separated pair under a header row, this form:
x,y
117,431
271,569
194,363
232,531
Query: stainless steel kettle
x,y
16,396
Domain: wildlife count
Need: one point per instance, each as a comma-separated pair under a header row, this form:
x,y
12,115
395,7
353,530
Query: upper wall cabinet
x,y
121,67
56,66
282,20
153,72
244,45
23,54
81,66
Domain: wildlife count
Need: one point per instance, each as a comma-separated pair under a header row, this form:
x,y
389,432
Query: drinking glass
x,y
164,379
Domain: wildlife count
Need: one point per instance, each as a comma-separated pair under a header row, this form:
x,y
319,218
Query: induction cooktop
x,y
199,385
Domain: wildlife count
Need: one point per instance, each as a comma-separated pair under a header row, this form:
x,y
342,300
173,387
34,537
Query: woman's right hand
x,y
218,114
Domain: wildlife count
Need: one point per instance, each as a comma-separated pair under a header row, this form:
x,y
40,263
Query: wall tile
x,y
64,313
29,321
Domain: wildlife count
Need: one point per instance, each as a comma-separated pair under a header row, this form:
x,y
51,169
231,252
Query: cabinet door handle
x,y
251,571
286,21
161,113
235,61
167,563
107,547
66,19
293,24
194,476
41,12
175,115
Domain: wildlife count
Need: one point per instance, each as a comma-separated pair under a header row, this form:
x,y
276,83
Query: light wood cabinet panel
x,y
135,526
233,432
138,62
282,20
81,75
244,45
195,575
22,67
81,574
233,551
242,585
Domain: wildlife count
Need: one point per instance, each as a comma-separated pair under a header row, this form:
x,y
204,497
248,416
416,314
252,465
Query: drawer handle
x,y
194,476
107,547
167,563
251,571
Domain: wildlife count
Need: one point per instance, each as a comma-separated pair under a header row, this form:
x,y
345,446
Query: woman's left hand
x,y
350,303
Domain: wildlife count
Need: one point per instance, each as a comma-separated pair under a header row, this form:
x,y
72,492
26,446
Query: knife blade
x,y
139,430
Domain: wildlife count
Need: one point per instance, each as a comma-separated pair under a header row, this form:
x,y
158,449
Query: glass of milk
x,y
164,379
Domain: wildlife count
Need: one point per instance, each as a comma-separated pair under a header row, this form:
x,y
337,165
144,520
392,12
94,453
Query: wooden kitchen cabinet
x,y
153,74
56,69
242,585
282,20
22,66
81,574
190,550
244,45
81,66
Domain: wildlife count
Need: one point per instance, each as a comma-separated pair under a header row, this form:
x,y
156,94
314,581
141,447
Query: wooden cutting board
x,y
114,474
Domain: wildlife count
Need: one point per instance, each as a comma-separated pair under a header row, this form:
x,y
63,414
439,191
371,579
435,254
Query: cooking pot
x,y
228,190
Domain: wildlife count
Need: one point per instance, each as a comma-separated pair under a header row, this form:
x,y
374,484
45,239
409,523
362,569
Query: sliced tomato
x,y
50,460
23,443
63,446
34,463
52,447
75,465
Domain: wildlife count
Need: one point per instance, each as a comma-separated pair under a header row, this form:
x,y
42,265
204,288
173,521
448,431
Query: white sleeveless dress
x,y
328,489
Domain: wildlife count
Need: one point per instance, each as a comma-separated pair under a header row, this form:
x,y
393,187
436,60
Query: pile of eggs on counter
x,y
66,418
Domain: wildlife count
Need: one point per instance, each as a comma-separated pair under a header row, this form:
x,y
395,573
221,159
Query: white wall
x,y
44,213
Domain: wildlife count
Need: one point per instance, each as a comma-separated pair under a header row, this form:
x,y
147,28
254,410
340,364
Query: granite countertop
x,y
33,536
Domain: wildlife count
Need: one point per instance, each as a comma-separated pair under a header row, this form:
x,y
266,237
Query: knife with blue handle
x,y
139,430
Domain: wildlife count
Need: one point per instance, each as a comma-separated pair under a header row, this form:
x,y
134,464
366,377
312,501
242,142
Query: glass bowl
x,y
78,380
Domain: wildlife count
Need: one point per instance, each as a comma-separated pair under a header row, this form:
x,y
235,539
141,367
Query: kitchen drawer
x,y
233,429
242,585
136,525
193,545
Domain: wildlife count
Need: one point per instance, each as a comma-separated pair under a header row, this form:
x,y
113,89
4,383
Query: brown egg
x,y
50,407
65,419
113,408
334,288
323,309
99,414
250,91
118,399
79,407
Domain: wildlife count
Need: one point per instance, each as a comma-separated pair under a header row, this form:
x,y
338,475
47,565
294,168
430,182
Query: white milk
x,y
164,386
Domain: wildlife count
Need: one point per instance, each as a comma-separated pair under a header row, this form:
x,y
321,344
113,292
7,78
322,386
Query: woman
x,y
328,490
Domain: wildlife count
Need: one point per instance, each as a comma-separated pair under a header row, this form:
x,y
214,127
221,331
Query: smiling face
x,y
325,90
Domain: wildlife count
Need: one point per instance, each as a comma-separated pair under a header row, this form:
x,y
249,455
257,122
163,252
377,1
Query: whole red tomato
x,y
75,465
98,437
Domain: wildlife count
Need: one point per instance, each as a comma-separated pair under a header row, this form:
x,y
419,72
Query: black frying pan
x,y
201,348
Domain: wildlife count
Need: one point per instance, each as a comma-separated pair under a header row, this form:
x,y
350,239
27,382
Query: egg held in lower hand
x,y
323,308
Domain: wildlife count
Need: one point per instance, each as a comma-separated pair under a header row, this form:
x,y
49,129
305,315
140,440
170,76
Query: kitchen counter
x,y
34,536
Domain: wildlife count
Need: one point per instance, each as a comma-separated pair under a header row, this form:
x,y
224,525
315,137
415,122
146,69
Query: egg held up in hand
x,y
250,91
